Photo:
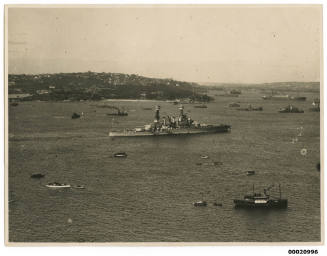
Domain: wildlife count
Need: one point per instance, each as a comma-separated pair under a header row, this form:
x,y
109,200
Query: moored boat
x,y
251,108
201,106
79,187
234,105
200,203
290,109
257,200
75,116
57,185
249,173
298,98
120,154
37,175
276,97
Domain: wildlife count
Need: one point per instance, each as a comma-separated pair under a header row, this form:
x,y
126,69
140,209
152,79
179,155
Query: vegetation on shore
x,y
98,86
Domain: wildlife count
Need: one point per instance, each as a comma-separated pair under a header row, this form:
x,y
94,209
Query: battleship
x,y
257,200
172,126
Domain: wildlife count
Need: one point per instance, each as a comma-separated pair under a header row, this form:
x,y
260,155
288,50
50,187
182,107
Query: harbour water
x,y
148,196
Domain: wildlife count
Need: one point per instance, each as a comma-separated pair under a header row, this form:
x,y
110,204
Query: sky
x,y
232,44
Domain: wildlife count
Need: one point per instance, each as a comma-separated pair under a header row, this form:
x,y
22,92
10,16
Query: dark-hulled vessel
x,y
169,125
290,109
257,200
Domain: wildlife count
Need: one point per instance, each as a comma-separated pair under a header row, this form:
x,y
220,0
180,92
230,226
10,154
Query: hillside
x,y
276,86
97,86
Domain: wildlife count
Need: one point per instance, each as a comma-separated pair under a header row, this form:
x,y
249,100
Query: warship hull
x,y
172,132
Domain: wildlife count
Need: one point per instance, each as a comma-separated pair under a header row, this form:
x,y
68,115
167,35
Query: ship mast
x,y
157,115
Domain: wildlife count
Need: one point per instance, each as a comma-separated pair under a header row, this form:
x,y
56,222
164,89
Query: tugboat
x,y
257,200
290,109
169,125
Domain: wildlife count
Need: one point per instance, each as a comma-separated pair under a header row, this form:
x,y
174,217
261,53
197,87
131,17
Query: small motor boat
x,y
79,187
249,173
204,157
57,185
200,203
75,116
120,154
37,175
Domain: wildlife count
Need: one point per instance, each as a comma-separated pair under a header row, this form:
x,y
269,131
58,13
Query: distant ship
x,y
276,97
298,98
169,125
234,91
251,108
316,104
118,113
257,200
234,105
290,109
201,106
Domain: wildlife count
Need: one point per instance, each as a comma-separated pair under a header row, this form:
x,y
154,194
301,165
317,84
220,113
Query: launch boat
x,y
257,200
169,125
57,185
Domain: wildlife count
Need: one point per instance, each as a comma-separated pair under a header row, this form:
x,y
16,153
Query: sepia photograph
x,y
175,124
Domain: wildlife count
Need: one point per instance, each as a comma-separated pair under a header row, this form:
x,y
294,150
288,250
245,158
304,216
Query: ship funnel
x,y
157,116
181,108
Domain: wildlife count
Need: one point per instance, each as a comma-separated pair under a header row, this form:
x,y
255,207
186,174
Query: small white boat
x,y
57,185
200,203
204,157
120,154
